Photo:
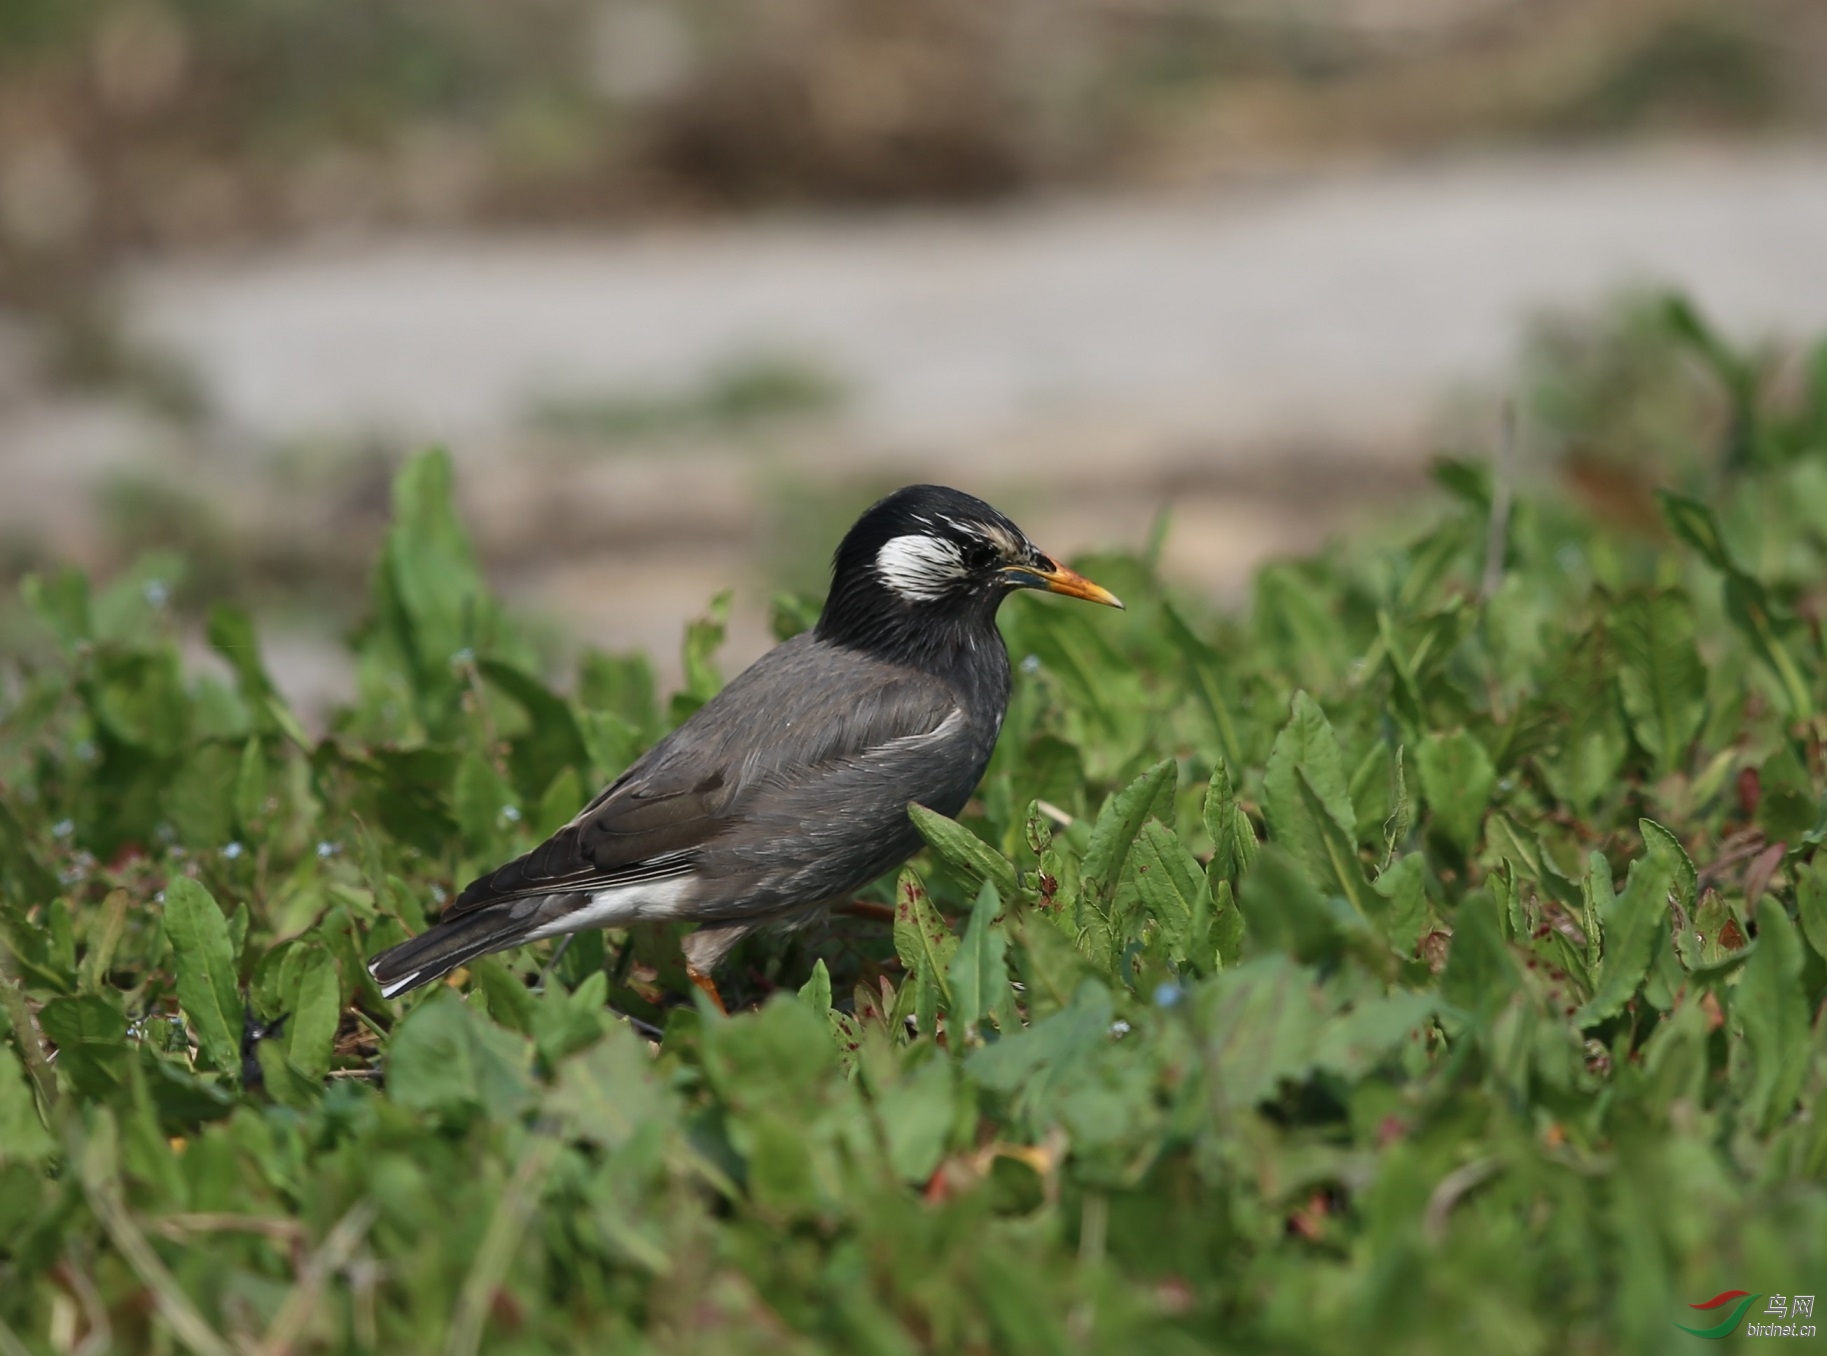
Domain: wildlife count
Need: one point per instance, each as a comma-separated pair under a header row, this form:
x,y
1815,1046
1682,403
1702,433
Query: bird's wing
x,y
788,719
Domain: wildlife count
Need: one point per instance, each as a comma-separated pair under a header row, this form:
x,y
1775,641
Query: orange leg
x,y
863,908
708,985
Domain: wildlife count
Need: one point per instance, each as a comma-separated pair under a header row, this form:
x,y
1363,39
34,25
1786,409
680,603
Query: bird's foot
x,y
708,985
863,908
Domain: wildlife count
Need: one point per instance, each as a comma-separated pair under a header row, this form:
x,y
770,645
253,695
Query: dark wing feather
x,y
801,707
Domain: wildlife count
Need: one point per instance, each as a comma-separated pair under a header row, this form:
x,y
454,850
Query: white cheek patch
x,y
920,568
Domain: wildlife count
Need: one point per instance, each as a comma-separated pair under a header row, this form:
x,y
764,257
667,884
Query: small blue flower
x,y
232,851
1167,995
63,828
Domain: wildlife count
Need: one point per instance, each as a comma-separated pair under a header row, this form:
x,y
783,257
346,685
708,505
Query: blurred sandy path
x,y
1267,360
1320,310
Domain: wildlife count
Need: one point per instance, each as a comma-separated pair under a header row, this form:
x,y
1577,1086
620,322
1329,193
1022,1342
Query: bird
x,y
788,791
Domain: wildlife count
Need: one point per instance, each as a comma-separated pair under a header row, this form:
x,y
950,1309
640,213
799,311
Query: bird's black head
x,y
925,570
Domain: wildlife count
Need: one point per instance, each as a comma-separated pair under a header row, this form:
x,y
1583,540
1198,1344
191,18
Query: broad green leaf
x,y
251,787
1660,674
432,573
1404,915
1259,1025
1694,523
703,638
231,634
1480,972
1635,926
815,993
316,1012
964,850
1234,841
1118,823
607,1093
91,1035
1665,848
1173,891
1401,815
1811,903
1456,777
1341,867
23,1136
1307,745
208,989
917,1114
1284,912
1771,1007
1048,1050
1354,1042
979,981
484,804
447,1060
926,947
61,601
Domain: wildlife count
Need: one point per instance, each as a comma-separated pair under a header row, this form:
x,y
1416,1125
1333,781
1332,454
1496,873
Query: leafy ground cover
x,y
1431,961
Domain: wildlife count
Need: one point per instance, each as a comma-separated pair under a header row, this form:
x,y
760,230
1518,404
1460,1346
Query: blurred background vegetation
x,y
138,132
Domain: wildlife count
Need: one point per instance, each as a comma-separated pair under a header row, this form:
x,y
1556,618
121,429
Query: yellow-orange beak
x,y
1061,580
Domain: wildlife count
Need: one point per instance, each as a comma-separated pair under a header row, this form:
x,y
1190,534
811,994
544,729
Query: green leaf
x,y
23,1136
1173,891
926,947
1694,523
979,979
1660,675
250,787
1340,866
815,993
61,601
607,1093
1234,841
1050,1050
1402,887
484,805
1811,903
1260,1025
1635,926
447,1060
917,1114
1118,823
958,847
432,573
208,990
1456,777
703,638
1666,849
1771,1006
1401,815
1480,972
91,1035
1285,913
231,634
316,1012
1307,745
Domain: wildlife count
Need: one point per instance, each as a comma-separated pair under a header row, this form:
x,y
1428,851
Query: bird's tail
x,y
444,946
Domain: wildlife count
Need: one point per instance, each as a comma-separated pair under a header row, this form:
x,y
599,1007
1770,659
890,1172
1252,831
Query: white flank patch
x,y
399,985
919,567
620,905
